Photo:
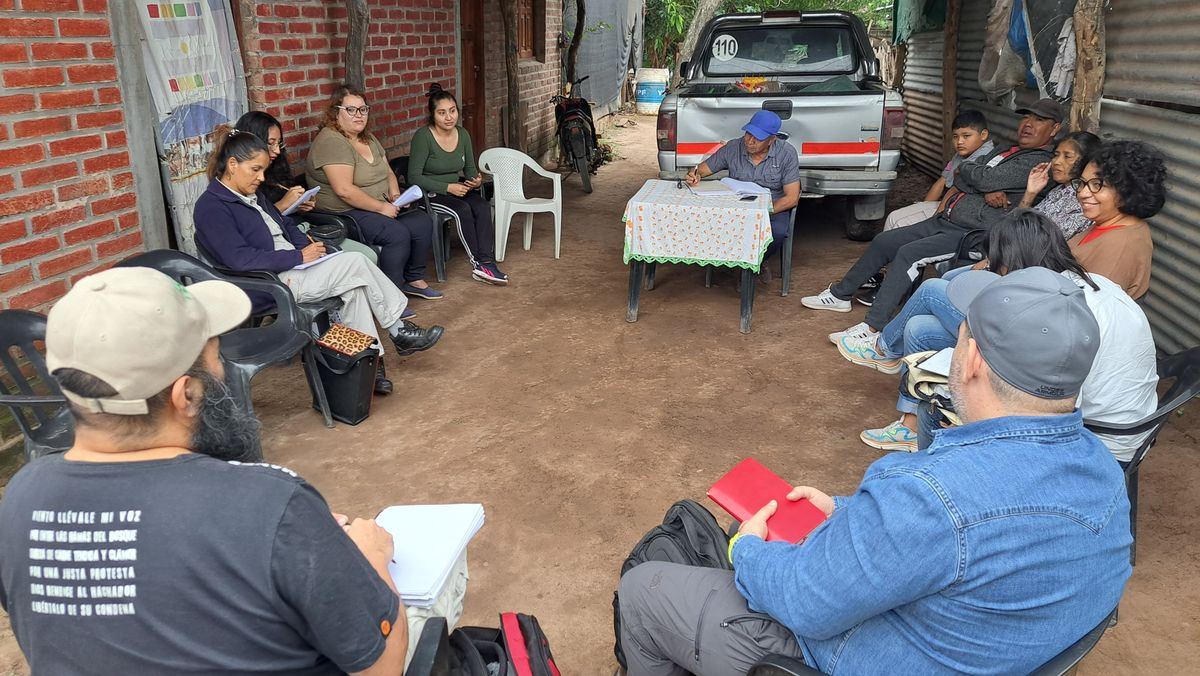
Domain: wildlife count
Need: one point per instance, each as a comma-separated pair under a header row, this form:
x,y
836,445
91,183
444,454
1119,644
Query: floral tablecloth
x,y
668,224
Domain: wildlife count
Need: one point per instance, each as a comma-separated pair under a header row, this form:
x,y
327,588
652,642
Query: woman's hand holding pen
x,y
313,251
386,208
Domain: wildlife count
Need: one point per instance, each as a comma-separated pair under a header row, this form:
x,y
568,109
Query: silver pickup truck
x,y
818,72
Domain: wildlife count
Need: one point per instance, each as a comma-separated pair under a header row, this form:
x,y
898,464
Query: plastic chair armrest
x,y
285,302
779,665
32,400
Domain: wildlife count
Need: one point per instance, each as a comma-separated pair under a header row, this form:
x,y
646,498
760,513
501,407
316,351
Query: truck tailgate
x,y
828,130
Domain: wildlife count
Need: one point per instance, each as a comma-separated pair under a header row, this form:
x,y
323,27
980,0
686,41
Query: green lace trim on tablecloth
x,y
752,267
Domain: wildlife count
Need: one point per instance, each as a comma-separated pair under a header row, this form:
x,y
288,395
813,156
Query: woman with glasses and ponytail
x,y
442,163
1122,186
239,227
351,167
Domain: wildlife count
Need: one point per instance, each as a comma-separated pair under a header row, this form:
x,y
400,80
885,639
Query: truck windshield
x,y
788,50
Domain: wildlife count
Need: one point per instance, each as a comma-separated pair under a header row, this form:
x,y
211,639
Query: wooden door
x,y
473,106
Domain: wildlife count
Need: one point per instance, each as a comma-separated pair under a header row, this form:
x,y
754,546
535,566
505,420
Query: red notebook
x,y
749,486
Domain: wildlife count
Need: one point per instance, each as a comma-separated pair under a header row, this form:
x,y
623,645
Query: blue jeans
x,y
928,321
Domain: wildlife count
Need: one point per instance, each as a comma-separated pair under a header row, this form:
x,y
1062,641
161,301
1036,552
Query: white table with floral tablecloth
x,y
665,222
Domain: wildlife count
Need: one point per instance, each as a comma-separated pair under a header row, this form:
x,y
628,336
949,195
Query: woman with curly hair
x,y
1122,186
351,167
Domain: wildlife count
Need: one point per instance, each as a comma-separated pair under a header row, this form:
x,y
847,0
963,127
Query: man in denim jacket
x,y
990,552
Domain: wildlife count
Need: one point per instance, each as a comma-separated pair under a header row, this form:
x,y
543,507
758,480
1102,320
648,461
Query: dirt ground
x,y
577,430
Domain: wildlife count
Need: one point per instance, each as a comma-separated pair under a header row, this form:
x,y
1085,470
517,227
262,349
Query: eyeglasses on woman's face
x,y
276,146
1094,185
356,111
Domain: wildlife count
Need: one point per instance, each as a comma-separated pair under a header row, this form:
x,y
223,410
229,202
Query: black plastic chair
x,y
315,317
1184,369
441,216
431,657
1059,665
36,401
246,351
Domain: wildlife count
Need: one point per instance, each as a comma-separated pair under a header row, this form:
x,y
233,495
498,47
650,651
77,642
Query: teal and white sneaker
x,y
863,350
859,329
894,437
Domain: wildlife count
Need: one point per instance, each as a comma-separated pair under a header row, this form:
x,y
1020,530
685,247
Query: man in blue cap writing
x,y
757,158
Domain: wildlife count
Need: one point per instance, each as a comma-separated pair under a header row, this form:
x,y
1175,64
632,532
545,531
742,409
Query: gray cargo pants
x,y
678,619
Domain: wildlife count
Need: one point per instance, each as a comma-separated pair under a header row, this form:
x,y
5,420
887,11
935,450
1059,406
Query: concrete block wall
x,y
67,205
539,81
294,52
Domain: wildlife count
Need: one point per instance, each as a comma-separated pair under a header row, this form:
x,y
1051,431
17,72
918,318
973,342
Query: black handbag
x,y
329,233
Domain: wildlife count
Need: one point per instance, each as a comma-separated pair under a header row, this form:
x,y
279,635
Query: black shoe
x,y
867,296
382,384
413,338
873,283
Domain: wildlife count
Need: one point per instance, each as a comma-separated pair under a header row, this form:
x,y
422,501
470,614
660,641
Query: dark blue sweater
x,y
234,234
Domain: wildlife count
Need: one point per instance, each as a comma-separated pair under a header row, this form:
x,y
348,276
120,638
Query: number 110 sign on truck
x,y
817,71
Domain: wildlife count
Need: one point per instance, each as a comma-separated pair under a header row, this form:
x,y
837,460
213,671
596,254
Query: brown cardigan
x,y
1121,253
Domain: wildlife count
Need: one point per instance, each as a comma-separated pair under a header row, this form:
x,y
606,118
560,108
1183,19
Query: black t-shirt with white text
x,y
188,565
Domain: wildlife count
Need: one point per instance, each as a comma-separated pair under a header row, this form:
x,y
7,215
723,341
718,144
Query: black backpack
x,y
689,535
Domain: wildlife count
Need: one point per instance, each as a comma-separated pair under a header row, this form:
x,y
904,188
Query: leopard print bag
x,y
345,340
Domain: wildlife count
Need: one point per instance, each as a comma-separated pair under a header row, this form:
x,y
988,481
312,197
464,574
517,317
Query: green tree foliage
x,y
667,21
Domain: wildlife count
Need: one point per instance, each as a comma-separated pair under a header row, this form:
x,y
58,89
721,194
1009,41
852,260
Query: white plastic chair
x,y
507,169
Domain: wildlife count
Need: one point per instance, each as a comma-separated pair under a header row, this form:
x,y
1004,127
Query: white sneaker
x,y
859,330
825,301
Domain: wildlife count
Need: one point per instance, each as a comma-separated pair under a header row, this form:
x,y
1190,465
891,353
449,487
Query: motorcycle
x,y
577,132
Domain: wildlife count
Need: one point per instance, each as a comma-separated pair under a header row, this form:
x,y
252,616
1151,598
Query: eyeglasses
x,y
1094,185
355,111
276,145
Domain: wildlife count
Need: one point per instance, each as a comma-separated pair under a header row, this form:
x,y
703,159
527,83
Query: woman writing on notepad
x,y
280,184
351,167
241,229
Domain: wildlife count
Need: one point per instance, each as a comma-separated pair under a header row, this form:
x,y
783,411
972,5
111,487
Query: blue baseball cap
x,y
763,125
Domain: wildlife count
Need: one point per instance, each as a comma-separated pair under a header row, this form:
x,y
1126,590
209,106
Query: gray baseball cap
x,y
1033,327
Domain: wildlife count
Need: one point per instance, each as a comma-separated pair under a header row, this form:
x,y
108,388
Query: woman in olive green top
x,y
442,163
351,167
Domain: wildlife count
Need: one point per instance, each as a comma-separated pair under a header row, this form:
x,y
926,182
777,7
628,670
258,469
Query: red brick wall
x,y
67,205
539,80
293,57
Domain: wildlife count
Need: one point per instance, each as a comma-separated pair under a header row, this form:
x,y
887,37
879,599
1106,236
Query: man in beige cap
x,y
140,550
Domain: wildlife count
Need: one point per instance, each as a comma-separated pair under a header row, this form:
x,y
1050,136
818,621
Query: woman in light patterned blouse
x,y
1061,203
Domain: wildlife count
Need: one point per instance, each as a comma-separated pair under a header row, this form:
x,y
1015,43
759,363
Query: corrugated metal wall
x,y
923,102
1153,56
972,28
1152,51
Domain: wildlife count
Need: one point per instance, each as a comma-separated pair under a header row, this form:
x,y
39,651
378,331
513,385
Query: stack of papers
x,y
744,188
728,187
429,540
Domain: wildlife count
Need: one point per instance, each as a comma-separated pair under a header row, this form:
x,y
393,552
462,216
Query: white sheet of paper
x,y
429,539
308,194
745,187
408,196
711,189
322,259
940,362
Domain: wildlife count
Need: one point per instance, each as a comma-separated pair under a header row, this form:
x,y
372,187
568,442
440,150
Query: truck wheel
x,y
859,230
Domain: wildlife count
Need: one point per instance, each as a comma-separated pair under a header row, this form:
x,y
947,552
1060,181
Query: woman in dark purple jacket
x,y
242,230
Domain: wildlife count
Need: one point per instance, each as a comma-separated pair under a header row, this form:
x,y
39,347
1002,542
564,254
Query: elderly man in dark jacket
x,y
984,191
